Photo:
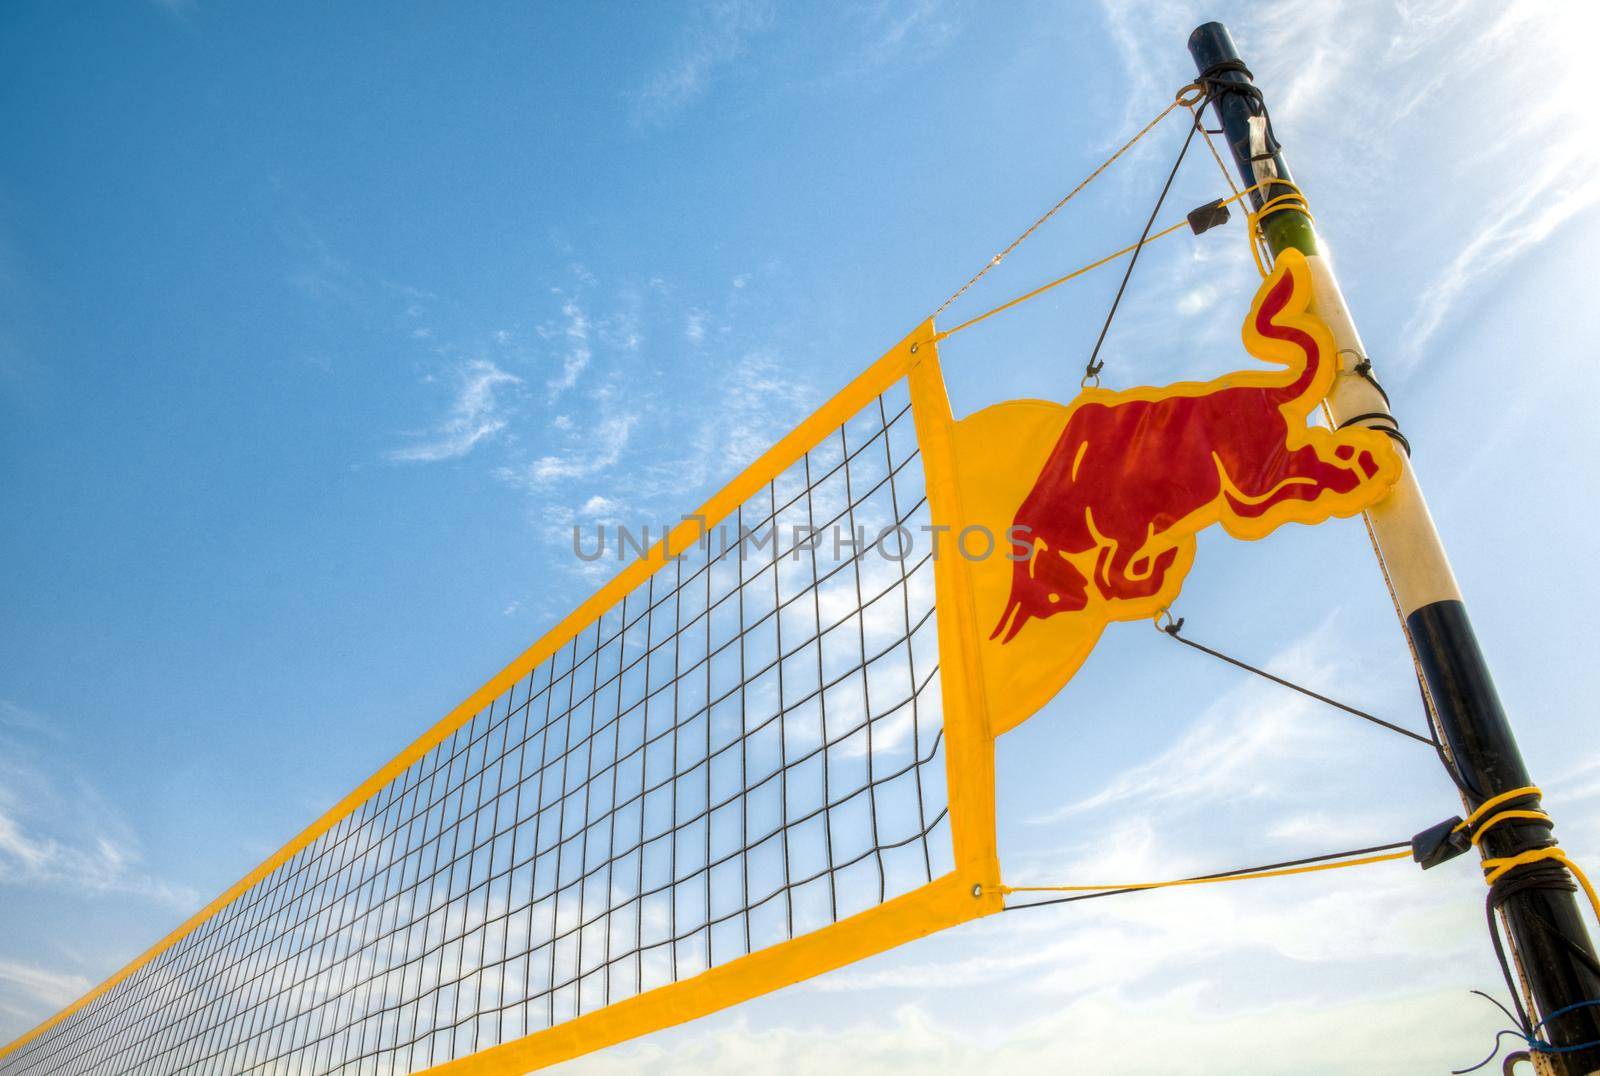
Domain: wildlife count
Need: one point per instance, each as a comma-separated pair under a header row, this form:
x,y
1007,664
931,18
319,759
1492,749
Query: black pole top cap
x,y
1210,44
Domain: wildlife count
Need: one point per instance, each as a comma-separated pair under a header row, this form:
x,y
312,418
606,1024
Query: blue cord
x,y
1531,1037
1564,1011
1545,1048
1535,1043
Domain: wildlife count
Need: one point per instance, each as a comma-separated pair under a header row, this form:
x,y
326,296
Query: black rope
x,y
1390,424
1393,429
1583,955
1489,908
1215,85
1220,874
1093,368
1456,776
1495,1051
1363,369
1174,627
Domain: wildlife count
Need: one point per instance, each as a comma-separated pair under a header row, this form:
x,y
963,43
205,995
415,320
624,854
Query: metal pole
x,y
1546,931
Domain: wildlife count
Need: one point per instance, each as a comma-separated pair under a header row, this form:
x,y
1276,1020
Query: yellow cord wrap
x,y
1294,199
1486,817
1283,873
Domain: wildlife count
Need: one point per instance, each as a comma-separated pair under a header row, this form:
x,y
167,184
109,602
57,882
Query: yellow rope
x,y
1494,801
1053,210
1386,857
1041,289
1212,146
1187,97
1486,817
1082,269
1494,868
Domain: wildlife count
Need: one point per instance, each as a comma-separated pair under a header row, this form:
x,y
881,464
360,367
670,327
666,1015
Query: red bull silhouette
x,y
1135,474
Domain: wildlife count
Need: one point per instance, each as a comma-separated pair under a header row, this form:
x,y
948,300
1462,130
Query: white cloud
x,y
23,719
476,414
694,327
899,31
1378,94
27,992
56,832
720,36
603,509
1518,223
322,275
757,400
576,334
609,440
1196,299
1106,1033
1224,754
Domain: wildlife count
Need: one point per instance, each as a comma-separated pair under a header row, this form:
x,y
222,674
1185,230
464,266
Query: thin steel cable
x,y
1357,854
1091,370
1172,629
1053,210
1198,114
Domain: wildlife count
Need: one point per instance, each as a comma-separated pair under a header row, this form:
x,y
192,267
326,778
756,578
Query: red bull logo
x,y
1123,481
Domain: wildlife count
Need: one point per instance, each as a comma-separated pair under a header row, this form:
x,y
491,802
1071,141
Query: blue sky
x,y
319,329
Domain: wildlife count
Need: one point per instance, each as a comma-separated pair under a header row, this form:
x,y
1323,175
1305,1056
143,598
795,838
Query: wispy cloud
x,y
319,273
477,413
605,510
1091,1034
694,327
56,832
1518,223
608,441
93,863
1380,93
39,986
721,31
921,27
1225,754
757,399
574,332
22,719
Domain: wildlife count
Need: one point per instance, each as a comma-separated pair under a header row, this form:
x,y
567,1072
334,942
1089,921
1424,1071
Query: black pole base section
x,y
1547,930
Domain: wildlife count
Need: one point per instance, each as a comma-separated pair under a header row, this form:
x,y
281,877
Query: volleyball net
x,y
755,755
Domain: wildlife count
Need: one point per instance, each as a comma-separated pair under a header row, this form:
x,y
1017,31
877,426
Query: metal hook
x,y
1360,358
1171,627
1511,1060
